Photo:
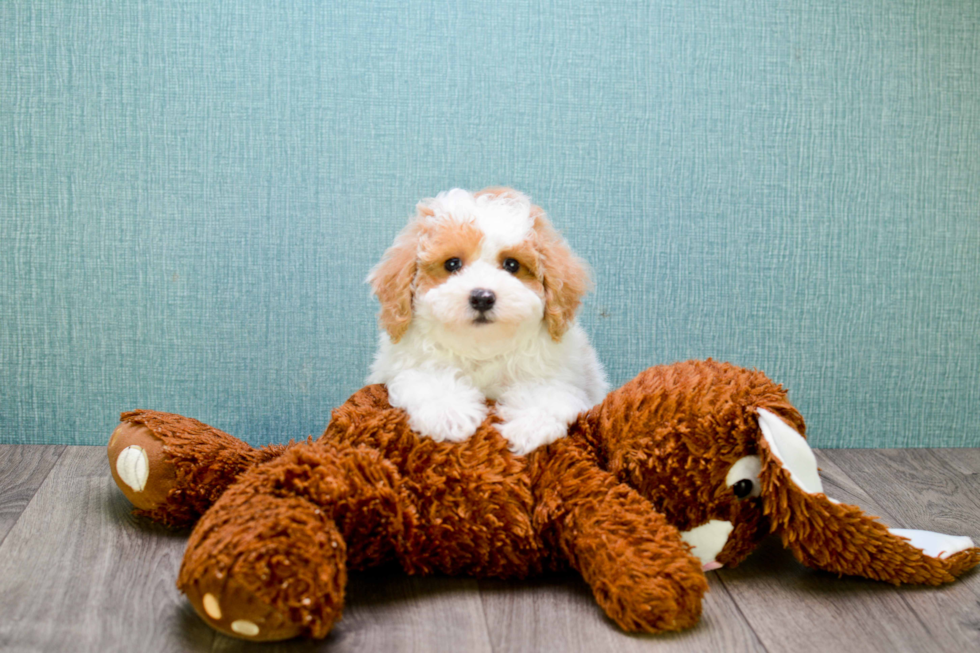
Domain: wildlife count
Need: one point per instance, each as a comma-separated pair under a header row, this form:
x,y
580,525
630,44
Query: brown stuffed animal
x,y
686,466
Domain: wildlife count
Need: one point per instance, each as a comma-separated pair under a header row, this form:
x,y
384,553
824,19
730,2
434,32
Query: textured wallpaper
x,y
192,193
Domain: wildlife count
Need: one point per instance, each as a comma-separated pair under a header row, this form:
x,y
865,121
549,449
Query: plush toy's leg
x,y
172,468
269,560
640,571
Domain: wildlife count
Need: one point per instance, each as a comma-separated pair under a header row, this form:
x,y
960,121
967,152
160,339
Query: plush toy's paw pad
x,y
140,465
133,467
233,610
265,567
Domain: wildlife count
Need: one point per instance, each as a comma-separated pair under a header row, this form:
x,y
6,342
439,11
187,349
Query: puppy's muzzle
x,y
482,300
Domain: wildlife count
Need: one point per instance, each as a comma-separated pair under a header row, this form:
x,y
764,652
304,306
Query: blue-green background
x,y
191,194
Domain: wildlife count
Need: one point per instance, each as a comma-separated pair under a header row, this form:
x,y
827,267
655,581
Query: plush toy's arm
x,y
640,571
172,468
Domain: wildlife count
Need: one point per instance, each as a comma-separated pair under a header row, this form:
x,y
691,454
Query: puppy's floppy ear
x,y
836,537
393,278
564,275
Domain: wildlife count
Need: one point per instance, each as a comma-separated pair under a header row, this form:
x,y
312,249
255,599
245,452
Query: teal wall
x,y
191,194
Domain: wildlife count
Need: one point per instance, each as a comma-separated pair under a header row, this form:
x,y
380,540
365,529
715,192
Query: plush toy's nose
x,y
482,299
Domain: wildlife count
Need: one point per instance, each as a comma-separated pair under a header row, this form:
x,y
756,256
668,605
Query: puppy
x,y
478,299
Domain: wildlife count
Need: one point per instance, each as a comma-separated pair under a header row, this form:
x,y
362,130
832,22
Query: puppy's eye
x,y
511,265
452,264
743,477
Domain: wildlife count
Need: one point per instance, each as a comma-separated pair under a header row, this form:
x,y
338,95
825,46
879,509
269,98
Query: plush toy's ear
x,y
826,534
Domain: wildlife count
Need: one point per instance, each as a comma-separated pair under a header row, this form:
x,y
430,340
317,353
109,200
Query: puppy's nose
x,y
482,299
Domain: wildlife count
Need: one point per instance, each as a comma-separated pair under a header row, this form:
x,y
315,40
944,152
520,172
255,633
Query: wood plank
x,y
559,613
791,607
387,610
917,487
78,573
913,488
841,487
23,467
967,463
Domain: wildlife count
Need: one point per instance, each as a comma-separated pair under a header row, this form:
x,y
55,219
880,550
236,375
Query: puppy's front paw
x,y
451,419
532,428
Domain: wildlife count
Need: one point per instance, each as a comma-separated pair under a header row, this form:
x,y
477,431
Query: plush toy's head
x,y
691,448
727,463
711,491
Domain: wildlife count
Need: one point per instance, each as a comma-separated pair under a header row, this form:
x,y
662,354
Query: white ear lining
x,y
935,545
792,451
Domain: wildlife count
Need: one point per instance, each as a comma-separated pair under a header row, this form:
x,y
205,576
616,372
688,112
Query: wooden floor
x,y
78,573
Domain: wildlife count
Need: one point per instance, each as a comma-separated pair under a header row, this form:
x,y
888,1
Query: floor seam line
x,y
64,448
952,470
742,614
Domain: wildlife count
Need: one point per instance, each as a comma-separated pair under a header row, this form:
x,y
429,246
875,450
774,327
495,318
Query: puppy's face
x,y
478,269
477,284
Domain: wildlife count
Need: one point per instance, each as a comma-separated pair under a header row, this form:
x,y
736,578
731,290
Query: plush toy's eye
x,y
512,265
452,264
743,477
743,488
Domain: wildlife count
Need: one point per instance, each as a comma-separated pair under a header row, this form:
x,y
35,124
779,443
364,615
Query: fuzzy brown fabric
x,y
197,463
469,508
640,572
674,431
269,559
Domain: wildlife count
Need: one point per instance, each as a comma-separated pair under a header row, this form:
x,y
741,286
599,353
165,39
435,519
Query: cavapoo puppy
x,y
478,299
